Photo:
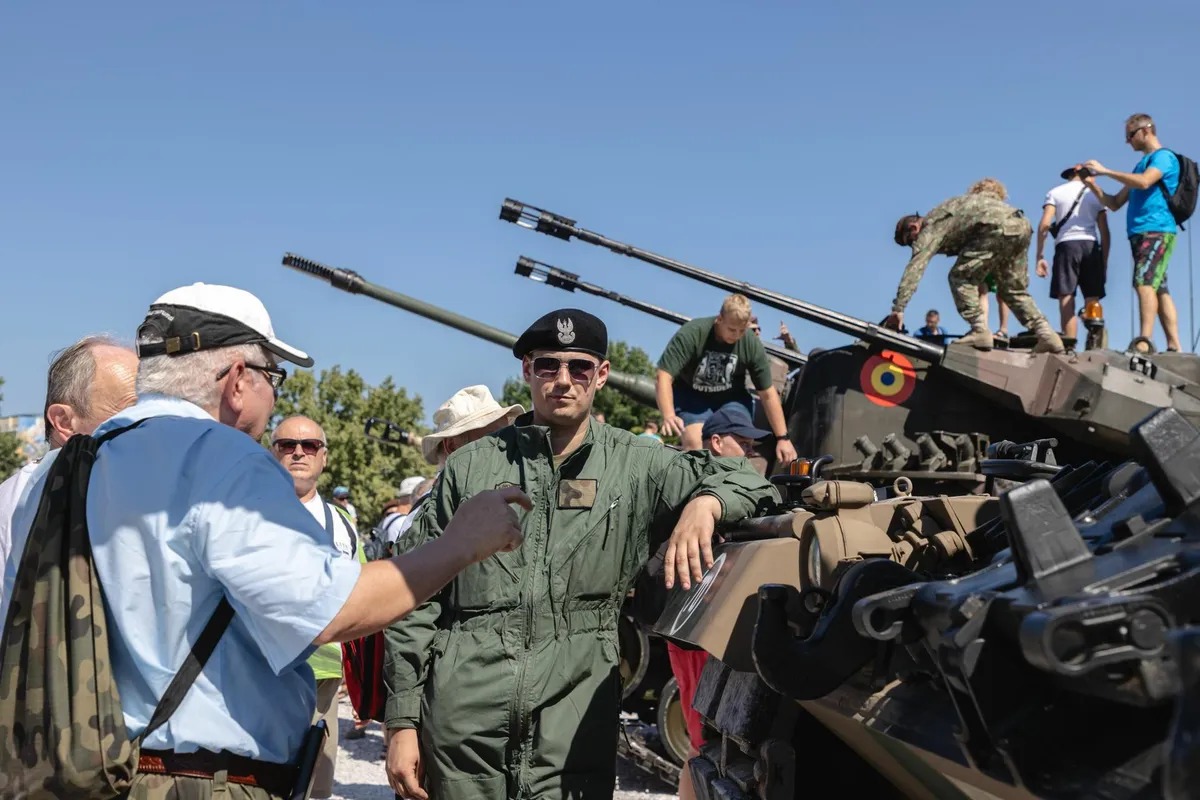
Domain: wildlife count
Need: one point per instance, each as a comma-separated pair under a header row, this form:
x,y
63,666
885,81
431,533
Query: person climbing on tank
x,y
989,237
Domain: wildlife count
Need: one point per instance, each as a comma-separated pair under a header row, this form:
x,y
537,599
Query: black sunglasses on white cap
x,y
204,316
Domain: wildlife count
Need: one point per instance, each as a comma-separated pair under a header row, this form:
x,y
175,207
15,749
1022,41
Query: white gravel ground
x,y
360,774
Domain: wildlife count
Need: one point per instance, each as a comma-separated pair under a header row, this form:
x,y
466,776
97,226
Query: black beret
x,y
565,329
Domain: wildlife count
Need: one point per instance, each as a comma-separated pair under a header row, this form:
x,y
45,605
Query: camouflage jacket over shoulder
x,y
956,227
510,673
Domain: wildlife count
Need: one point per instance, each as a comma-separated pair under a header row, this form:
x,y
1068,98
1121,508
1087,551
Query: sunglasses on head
x,y
310,446
580,369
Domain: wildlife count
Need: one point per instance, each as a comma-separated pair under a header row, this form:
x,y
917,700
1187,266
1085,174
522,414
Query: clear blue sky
x,y
149,145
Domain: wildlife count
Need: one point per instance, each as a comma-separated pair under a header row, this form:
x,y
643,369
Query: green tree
x,y
11,457
341,402
618,409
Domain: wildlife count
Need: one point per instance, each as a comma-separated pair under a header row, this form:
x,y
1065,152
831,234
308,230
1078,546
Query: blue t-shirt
x,y
1147,211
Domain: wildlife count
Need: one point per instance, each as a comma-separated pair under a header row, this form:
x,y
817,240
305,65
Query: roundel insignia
x,y
887,378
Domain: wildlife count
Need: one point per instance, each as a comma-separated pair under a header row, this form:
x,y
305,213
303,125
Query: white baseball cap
x,y
204,316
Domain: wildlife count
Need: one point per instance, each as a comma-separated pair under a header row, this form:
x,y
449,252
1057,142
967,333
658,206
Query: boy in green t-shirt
x,y
703,368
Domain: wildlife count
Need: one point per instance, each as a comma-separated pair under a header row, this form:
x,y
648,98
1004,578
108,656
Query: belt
x,y
277,779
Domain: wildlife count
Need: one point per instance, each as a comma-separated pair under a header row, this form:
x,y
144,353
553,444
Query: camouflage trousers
x,y
1005,256
171,787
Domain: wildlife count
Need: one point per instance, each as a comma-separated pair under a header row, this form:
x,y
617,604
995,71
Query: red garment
x,y
687,665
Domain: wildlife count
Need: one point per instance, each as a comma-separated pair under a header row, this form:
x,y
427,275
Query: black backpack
x,y
1183,202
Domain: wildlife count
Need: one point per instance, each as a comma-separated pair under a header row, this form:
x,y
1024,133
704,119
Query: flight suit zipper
x,y
520,727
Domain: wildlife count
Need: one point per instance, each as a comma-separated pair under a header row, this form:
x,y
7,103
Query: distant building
x,y
31,429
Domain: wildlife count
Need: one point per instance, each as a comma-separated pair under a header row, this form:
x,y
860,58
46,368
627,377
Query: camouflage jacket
x,y
953,228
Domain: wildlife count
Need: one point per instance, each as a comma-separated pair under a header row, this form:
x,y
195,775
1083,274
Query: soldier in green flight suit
x,y
506,684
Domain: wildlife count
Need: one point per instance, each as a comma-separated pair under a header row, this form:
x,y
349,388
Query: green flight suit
x,y
510,673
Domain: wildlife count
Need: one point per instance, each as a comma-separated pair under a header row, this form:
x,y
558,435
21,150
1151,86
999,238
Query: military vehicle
x,y
645,670
1034,644
893,405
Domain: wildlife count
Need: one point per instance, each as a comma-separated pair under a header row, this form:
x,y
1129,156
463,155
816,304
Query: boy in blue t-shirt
x,y
1148,222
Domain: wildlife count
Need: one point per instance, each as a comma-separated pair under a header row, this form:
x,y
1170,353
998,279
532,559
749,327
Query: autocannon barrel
x,y
570,281
635,386
564,228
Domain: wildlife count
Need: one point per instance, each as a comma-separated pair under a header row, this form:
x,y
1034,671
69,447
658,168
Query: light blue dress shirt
x,y
182,510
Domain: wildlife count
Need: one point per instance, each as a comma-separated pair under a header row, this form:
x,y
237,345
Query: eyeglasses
x,y
276,375
310,446
581,369
1129,136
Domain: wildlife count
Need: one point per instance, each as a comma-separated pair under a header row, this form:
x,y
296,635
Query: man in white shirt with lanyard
x,y
300,445
1076,219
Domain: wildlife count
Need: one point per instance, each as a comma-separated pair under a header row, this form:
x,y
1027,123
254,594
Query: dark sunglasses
x,y
276,375
310,446
580,369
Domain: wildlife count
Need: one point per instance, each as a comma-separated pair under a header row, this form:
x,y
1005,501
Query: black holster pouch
x,y
314,740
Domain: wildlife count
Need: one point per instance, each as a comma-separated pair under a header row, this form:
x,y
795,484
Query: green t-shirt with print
x,y
701,362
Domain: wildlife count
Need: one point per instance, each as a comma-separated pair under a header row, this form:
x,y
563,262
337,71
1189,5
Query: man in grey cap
x,y
506,684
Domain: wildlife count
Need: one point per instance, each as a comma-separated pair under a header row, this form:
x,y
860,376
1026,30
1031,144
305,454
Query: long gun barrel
x,y
570,281
561,227
635,386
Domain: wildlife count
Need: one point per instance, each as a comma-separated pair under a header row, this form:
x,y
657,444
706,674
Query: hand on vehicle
x,y
1043,267
784,452
673,425
689,550
894,320
487,524
404,768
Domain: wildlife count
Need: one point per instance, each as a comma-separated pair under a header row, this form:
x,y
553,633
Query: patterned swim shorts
x,y
1151,254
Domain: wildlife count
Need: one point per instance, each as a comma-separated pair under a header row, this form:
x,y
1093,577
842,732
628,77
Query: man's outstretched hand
x,y
689,550
894,320
487,524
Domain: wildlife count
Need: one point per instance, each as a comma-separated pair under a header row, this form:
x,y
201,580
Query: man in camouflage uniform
x,y
988,236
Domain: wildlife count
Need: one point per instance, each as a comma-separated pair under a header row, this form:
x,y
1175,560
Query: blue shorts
x,y
694,407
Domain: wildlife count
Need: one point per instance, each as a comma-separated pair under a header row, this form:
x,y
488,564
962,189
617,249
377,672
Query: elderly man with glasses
x,y
299,444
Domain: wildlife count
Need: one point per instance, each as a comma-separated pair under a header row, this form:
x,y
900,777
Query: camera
x,y
385,432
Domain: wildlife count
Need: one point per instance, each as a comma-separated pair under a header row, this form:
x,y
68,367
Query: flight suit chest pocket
x,y
493,583
592,560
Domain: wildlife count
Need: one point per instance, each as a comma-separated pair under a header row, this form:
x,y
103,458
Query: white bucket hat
x,y
469,409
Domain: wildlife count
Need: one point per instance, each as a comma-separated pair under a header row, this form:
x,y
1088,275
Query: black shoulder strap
x,y
345,522
1071,210
193,665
